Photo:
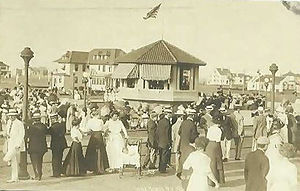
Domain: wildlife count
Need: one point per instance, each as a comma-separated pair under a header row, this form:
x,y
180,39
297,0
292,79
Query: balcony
x,y
158,95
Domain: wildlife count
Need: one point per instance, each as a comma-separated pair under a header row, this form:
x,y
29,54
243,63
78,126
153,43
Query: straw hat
x,y
12,112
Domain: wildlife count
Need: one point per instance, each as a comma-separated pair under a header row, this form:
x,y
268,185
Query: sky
x,y
243,36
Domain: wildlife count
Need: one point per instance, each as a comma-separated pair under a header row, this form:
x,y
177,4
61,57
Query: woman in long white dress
x,y
200,163
282,174
115,142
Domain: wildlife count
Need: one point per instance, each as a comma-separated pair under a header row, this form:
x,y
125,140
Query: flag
x,y
152,13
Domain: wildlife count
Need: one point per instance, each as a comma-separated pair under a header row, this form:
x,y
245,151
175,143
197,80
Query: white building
x,y
220,76
264,83
102,65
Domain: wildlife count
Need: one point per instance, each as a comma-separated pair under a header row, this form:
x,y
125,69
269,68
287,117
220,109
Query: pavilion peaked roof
x,y
159,52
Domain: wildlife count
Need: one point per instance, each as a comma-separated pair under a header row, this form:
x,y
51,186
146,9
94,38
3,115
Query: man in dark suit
x,y
188,133
257,167
164,140
259,126
58,143
151,155
37,146
227,133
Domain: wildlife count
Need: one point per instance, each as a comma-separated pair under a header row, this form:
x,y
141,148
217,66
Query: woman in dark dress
x,y
96,156
214,151
74,164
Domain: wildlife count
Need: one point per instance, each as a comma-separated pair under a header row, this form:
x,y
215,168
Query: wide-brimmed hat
x,y
179,112
167,110
209,107
36,115
12,112
190,111
51,115
145,116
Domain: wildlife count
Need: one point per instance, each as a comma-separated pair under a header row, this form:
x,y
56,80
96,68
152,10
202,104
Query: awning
x,y
125,71
155,72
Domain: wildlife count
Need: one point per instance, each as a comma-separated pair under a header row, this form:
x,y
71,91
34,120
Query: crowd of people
x,y
199,134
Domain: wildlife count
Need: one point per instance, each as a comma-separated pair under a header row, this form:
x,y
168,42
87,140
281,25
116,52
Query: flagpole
x,y
163,21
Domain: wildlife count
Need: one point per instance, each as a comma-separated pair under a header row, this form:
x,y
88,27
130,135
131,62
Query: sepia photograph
x,y
150,95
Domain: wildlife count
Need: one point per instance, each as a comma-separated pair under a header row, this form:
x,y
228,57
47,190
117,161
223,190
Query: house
x,y
102,64
291,82
70,75
4,70
221,76
264,83
158,72
224,77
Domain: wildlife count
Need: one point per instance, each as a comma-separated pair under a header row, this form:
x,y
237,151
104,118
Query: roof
x,y
124,71
74,57
159,52
3,64
224,71
291,74
111,54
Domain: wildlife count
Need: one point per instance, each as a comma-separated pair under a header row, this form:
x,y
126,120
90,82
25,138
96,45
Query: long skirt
x,y
96,155
74,164
214,151
114,147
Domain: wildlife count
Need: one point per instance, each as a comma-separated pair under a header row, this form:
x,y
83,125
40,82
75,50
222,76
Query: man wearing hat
x,y
164,140
206,119
188,133
259,126
257,167
15,143
151,155
37,144
175,136
58,143
227,127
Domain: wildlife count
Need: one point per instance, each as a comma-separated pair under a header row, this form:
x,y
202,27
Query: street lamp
x,y
259,75
27,55
273,68
266,85
85,80
73,84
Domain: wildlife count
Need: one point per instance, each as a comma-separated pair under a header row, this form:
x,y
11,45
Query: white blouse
x,y
95,124
76,135
214,133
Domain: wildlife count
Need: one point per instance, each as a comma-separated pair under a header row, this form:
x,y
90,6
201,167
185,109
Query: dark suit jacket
x,y
256,170
57,132
292,128
188,133
163,133
37,138
151,129
260,126
227,127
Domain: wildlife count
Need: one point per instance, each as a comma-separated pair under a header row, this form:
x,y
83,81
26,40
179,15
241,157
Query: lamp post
x,y
27,55
266,85
73,84
273,68
85,80
259,74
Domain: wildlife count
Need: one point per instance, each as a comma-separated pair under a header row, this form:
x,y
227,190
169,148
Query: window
x,y
109,69
103,68
76,67
60,80
156,84
185,79
95,57
75,79
99,68
130,83
83,67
